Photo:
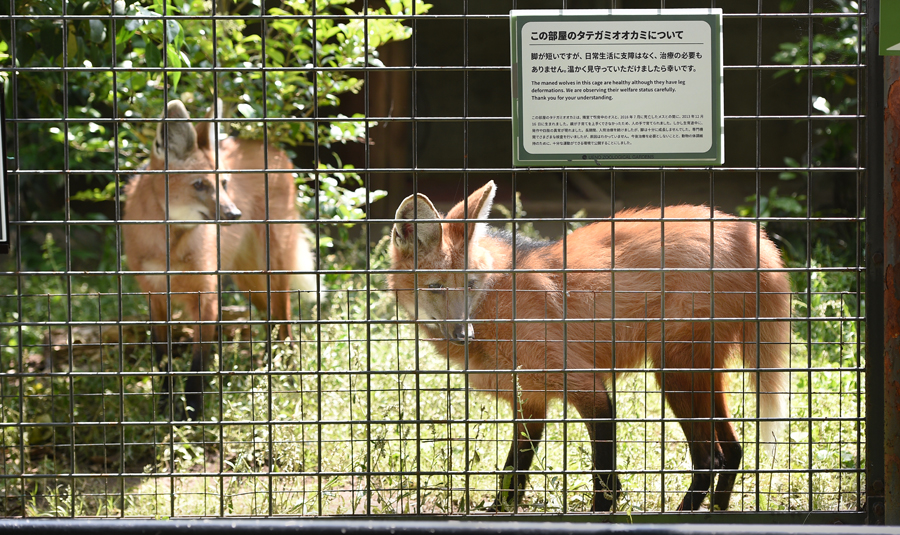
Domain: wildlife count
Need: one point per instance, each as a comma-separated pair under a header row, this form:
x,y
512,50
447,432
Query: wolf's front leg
x,y
521,454
597,410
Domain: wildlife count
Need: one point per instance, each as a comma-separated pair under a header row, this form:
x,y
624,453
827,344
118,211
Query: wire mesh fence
x,y
220,311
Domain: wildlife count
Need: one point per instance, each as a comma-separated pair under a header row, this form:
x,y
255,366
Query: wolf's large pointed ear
x,y
181,136
477,206
406,231
208,131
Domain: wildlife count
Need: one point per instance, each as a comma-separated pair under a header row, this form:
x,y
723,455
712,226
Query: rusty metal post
x,y
891,289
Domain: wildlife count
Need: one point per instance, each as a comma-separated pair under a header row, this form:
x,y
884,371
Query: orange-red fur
x,y
192,191
612,274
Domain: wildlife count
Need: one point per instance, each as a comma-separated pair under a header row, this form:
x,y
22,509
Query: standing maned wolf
x,y
181,201
469,288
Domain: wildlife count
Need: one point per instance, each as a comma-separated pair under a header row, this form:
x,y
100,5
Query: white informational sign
x,y
617,87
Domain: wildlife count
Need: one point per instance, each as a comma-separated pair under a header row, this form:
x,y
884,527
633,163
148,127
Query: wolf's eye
x,y
225,184
435,286
199,185
471,284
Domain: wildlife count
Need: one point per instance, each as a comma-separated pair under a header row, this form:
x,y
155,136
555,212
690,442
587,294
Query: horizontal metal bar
x,y
425,372
372,119
412,68
492,221
376,16
486,170
331,473
572,523
514,271
515,320
375,290
460,421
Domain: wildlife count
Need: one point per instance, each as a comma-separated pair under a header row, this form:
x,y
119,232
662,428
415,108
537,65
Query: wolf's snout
x,y
461,333
230,213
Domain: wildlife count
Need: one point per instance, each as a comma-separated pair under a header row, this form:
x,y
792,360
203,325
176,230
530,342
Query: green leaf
x,y
173,56
764,206
185,59
108,193
275,57
174,61
138,11
123,36
26,49
51,41
152,55
74,45
133,24
173,31
246,110
98,30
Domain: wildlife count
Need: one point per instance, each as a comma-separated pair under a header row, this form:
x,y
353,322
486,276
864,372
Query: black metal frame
x,y
873,512
875,386
386,527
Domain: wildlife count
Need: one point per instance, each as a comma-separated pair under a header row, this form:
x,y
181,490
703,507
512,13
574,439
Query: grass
x,y
358,418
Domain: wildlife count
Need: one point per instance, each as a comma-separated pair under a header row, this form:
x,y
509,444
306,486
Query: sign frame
x,y
889,28
592,157
5,239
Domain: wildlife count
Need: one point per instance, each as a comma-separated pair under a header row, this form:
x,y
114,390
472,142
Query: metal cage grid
x,y
358,414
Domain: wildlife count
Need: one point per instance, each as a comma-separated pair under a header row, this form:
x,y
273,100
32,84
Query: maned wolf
x,y
544,316
191,193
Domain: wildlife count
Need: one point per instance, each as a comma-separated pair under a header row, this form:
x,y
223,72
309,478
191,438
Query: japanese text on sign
x,y
617,89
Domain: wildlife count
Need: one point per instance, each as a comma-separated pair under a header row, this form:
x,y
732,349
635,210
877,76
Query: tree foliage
x,y
281,68
825,62
834,90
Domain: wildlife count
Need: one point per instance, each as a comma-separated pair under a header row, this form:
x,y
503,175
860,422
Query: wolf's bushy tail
x,y
772,387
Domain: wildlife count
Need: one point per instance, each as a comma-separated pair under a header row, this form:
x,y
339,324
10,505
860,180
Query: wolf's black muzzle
x,y
461,333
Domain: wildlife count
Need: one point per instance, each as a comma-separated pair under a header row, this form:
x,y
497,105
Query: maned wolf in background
x,y
195,193
474,311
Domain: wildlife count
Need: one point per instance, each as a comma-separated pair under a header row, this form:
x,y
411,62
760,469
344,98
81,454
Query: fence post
x,y
877,337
